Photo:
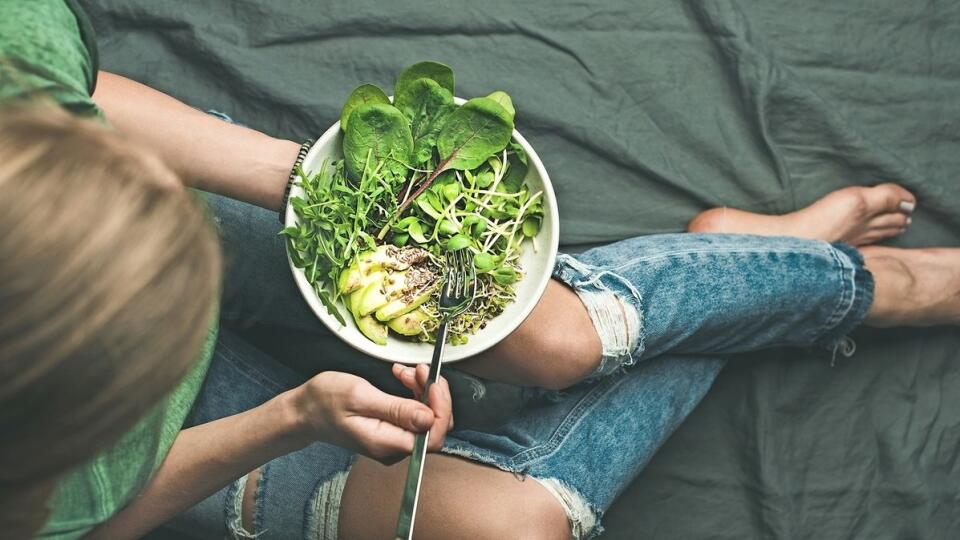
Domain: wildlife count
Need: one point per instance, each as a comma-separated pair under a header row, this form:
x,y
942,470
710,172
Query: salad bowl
x,y
537,261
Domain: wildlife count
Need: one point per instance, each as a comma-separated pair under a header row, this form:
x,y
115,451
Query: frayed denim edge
x,y
617,320
234,510
323,519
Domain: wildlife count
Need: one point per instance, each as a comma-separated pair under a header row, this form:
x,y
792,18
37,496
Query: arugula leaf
x,y
380,131
361,95
440,73
329,304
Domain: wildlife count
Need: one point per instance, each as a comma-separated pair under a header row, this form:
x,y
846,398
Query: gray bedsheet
x,y
646,112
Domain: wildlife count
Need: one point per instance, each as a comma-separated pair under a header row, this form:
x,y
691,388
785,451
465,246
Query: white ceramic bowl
x,y
537,266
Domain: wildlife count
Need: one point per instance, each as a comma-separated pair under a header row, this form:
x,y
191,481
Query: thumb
x,y
408,414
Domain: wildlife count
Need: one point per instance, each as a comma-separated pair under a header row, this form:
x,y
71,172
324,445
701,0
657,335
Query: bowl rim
x,y
452,354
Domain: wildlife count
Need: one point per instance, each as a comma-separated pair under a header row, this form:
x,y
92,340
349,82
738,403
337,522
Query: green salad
x,y
420,176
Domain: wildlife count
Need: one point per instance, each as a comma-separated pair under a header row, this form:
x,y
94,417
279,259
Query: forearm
x,y
207,153
205,458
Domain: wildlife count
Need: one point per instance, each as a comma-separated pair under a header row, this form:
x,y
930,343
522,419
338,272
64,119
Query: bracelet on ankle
x,y
301,155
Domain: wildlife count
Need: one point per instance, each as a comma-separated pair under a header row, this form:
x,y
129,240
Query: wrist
x,y
291,418
292,176
282,158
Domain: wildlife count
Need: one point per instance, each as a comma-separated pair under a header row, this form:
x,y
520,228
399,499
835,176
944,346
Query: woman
x,y
242,420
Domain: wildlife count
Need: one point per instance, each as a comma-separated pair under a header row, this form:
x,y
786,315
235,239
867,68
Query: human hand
x,y
348,411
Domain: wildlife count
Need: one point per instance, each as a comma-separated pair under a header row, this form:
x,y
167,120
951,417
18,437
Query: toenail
x,y
907,206
909,220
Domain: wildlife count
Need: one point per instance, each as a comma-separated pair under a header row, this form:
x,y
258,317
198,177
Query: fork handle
x,y
411,487
435,362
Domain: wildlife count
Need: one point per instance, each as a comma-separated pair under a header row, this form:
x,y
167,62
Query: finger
x,y
442,405
423,372
386,443
407,377
405,413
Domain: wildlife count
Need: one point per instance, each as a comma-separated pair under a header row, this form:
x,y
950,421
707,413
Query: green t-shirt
x,y
47,50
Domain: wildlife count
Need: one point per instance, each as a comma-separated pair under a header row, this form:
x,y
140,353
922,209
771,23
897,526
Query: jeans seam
x,y
845,302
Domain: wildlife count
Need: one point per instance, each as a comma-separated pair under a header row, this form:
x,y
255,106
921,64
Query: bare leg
x,y
855,215
460,499
555,347
914,287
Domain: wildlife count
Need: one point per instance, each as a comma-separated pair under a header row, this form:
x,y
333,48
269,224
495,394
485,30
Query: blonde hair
x,y
109,273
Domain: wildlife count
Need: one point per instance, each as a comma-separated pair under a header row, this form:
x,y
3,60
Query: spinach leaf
x,y
471,134
504,100
474,132
427,105
380,131
361,95
439,73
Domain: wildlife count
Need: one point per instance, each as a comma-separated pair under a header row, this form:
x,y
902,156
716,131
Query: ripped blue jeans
x,y
666,307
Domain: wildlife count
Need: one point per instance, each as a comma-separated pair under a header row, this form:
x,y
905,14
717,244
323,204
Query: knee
x,y
565,355
541,518
708,221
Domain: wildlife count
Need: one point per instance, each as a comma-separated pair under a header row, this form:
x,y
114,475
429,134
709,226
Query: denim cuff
x,y
860,287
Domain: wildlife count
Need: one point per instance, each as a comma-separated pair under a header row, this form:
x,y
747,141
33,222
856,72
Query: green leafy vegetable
x,y
361,95
440,73
378,136
427,105
475,131
504,100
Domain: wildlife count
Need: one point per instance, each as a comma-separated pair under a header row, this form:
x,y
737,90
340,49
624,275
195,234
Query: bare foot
x,y
914,287
855,215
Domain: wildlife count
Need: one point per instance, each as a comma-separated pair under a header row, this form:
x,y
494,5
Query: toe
x,y
897,220
891,198
877,235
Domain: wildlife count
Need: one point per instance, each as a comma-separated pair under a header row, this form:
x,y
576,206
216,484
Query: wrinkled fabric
x,y
646,112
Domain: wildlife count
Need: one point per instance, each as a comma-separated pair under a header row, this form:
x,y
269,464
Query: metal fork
x,y
459,290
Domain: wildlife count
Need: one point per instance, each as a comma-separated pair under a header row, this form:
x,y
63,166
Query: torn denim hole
x,y
323,511
615,308
584,521
235,510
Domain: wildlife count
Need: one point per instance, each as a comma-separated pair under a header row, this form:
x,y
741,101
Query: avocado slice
x,y
402,305
372,297
374,330
403,286
360,271
409,324
353,304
